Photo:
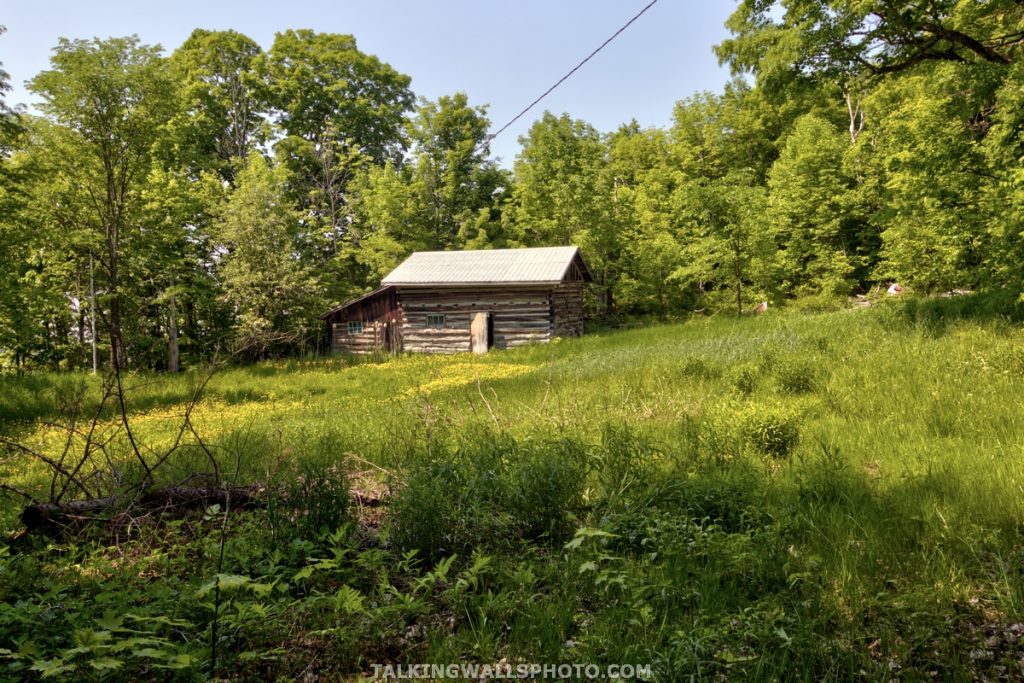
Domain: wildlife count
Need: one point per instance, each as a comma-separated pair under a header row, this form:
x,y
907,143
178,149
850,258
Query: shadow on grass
x,y
938,314
25,399
47,396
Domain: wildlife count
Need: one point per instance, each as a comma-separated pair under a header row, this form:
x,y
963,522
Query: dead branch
x,y
88,449
53,464
57,515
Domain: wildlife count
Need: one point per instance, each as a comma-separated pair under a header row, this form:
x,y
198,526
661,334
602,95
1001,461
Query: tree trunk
x,y
116,345
92,314
608,302
856,117
172,338
190,319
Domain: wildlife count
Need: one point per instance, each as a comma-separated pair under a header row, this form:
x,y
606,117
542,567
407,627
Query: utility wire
x,y
571,72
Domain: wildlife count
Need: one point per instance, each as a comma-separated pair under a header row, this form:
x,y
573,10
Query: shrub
x,y
624,464
745,379
729,496
423,513
798,377
311,496
546,484
700,368
490,491
772,432
450,501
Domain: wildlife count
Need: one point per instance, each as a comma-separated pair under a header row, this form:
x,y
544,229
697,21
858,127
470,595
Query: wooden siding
x,y
373,337
395,317
567,309
380,313
520,316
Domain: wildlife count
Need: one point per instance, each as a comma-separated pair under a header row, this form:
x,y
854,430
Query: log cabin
x,y
458,301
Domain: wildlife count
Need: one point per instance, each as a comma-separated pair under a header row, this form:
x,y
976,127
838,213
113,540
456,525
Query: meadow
x,y
793,496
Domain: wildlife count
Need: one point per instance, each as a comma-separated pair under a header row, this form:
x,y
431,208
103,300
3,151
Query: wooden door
x,y
478,332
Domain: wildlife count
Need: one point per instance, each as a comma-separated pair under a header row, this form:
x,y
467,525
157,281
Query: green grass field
x,y
786,497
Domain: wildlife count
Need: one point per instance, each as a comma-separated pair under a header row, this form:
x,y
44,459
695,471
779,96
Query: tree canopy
x,y
223,195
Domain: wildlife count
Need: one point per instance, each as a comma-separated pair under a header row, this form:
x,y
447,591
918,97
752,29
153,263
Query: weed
x,y
774,432
700,368
546,483
745,378
798,377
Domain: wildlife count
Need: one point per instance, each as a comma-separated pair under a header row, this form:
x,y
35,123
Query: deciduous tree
x,y
111,98
271,290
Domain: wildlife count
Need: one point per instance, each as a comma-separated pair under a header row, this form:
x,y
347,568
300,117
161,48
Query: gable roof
x,y
357,300
534,265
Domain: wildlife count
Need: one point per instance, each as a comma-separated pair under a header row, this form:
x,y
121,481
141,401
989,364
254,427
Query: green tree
x,y
319,80
338,109
387,220
110,99
563,193
33,277
454,178
654,246
1003,147
558,193
933,174
175,283
221,114
9,120
730,248
817,244
447,195
740,129
842,39
639,248
271,291
12,259
930,87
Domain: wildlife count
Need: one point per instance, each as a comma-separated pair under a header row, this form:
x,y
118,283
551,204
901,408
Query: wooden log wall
x,y
381,317
567,309
520,316
370,339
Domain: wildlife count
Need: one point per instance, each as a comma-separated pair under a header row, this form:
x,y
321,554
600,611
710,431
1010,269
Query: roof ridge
x,y
528,265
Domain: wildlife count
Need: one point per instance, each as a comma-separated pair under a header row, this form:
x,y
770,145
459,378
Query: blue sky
x,y
501,53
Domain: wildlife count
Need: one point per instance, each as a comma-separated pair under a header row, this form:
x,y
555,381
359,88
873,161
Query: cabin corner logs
x,y
456,318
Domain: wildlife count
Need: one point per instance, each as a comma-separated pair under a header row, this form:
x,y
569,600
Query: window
x,y
435,319
355,327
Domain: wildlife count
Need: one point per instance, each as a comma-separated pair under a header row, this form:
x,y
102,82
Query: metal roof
x,y
487,266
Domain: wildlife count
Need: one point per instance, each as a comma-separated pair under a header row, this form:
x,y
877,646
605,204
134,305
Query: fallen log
x,y
368,499
55,515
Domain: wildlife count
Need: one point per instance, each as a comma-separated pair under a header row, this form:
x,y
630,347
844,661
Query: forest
x,y
221,195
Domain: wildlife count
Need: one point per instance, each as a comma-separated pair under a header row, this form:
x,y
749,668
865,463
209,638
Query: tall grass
x,y
835,495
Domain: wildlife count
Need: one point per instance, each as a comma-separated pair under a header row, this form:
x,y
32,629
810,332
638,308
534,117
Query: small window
x,y
435,319
355,327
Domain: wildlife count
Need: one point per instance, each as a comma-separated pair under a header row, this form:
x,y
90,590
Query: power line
x,y
571,72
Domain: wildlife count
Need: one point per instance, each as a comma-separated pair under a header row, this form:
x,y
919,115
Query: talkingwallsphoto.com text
x,y
469,671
